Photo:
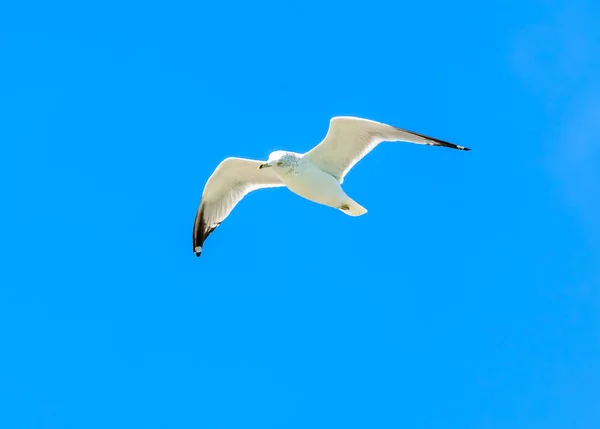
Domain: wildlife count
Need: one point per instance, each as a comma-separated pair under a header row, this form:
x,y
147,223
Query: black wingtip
x,y
436,142
201,231
449,145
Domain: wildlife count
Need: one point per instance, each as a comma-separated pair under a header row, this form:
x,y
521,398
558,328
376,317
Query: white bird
x,y
315,175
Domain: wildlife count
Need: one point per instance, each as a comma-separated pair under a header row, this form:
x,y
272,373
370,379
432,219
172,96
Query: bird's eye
x,y
280,164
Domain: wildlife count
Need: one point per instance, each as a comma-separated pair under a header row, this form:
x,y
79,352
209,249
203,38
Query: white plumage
x,y
315,175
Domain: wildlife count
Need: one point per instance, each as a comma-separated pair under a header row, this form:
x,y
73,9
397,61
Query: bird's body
x,y
307,180
316,175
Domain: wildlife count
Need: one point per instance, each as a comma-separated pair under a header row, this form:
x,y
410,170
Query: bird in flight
x,y
315,175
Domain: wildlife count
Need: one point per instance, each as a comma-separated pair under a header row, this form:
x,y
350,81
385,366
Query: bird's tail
x,y
352,208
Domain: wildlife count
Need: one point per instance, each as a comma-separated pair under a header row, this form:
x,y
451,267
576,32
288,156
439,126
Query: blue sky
x,y
467,297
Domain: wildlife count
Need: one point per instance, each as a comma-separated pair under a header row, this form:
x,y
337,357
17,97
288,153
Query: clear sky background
x,y
467,297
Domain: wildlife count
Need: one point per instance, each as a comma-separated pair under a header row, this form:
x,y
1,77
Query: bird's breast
x,y
310,182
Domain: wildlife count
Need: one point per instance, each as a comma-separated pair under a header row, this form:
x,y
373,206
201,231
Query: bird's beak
x,y
261,166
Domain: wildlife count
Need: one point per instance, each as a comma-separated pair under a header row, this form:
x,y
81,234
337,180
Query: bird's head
x,y
280,159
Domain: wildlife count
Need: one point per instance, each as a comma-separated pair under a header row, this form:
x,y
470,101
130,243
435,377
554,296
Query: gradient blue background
x,y
467,297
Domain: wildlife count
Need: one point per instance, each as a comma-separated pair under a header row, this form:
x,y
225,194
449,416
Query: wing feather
x,y
233,179
350,139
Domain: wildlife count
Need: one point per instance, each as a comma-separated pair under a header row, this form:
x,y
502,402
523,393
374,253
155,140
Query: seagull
x,y
315,175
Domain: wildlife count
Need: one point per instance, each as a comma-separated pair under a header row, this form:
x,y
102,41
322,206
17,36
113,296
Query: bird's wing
x,y
229,183
350,139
